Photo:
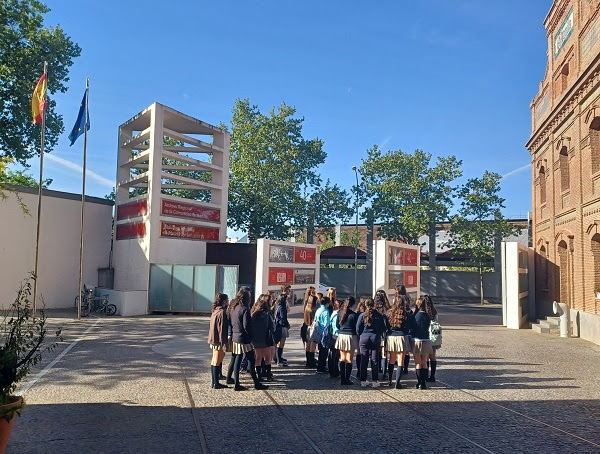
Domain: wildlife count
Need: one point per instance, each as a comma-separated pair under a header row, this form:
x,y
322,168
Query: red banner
x,y
305,255
190,232
187,210
127,231
280,276
410,278
130,210
410,257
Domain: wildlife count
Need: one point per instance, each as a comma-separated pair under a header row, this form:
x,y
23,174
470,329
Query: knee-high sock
x,y
406,363
390,372
348,370
236,369
212,374
398,375
424,374
230,367
433,368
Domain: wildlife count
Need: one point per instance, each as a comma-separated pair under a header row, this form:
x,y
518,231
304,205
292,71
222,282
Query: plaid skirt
x,y
238,349
423,347
398,344
218,347
346,342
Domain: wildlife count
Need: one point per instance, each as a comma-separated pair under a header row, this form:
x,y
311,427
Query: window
x,y
596,258
563,158
542,185
595,144
564,78
563,263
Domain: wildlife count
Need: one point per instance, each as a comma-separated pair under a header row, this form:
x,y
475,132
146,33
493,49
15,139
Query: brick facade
x,y
565,156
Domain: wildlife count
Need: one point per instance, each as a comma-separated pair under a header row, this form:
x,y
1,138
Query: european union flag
x,y
81,120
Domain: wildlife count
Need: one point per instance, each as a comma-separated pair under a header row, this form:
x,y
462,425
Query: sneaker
x,y
219,386
375,384
423,386
364,384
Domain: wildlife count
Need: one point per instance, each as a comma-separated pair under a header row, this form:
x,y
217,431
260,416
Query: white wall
x,y
59,245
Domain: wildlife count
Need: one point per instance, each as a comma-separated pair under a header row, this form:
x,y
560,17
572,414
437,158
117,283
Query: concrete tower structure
x,y
162,155
565,156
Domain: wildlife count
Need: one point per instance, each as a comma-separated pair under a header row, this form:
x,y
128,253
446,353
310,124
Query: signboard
x,y
304,276
305,255
395,278
402,256
281,254
410,279
133,209
564,33
189,211
127,231
280,276
187,231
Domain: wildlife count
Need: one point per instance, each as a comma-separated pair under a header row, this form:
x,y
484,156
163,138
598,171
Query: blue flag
x,y
81,120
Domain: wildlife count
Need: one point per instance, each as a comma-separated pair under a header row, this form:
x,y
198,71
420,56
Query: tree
x,y
406,194
24,46
274,189
22,178
479,222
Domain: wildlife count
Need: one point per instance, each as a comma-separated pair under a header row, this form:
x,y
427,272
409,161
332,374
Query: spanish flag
x,y
38,101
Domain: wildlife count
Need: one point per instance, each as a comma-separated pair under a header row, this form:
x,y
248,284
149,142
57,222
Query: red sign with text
x,y
410,257
189,232
305,255
410,278
280,276
127,231
187,210
130,210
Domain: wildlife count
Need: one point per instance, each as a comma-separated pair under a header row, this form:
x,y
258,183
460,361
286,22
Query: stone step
x,y
550,325
539,329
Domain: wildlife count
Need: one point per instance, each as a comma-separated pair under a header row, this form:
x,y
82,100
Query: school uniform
x,y
347,339
242,331
420,334
334,354
398,340
370,342
263,328
217,331
323,319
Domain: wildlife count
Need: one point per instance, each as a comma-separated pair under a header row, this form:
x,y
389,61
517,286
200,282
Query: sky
x,y
449,77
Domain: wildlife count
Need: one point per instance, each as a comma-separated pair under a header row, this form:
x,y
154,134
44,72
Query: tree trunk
x,y
481,283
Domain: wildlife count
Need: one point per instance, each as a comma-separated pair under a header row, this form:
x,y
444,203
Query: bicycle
x,y
90,303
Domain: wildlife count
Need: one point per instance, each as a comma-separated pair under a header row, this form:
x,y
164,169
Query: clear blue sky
x,y
450,77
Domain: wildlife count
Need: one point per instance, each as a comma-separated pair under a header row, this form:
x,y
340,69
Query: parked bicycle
x,y
91,303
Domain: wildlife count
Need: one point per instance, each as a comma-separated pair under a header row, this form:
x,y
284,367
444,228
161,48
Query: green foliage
x,y
347,238
479,220
406,193
21,178
5,188
24,46
23,339
274,189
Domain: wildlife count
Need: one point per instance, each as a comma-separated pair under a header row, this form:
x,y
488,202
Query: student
x,y
347,340
217,338
433,315
309,292
309,315
334,354
359,310
401,292
381,305
423,347
398,342
370,327
323,318
263,329
241,325
282,323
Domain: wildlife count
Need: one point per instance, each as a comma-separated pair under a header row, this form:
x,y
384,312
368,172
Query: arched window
x,y
563,158
596,258
595,144
542,185
564,78
541,270
563,263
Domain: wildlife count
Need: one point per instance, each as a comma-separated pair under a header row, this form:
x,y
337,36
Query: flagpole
x,y
85,131
39,210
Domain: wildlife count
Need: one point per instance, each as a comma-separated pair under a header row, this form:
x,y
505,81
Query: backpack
x,y
435,333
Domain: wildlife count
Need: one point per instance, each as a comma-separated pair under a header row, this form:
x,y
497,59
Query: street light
x,y
356,240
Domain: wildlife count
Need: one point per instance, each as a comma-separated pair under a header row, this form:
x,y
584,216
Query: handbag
x,y
303,331
313,332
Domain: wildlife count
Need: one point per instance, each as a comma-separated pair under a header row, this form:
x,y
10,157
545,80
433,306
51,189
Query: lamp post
x,y
356,239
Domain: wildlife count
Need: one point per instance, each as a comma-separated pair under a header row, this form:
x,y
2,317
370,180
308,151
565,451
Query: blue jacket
x,y
322,317
334,323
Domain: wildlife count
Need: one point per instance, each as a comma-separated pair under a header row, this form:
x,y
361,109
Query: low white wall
x,y
59,244
129,303
589,327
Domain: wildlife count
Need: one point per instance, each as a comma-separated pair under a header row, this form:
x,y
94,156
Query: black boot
x,y
257,383
215,375
358,360
342,373
424,374
307,359
433,368
385,369
390,373
398,375
259,370
406,363
267,372
280,360
220,373
313,360
418,374
212,376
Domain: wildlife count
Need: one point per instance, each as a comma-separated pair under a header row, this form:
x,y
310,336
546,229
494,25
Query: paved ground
x,y
141,385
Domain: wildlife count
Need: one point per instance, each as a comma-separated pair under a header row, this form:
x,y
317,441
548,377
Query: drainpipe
x,y
564,312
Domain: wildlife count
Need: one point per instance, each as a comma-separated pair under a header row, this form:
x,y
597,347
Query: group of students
x,y
379,332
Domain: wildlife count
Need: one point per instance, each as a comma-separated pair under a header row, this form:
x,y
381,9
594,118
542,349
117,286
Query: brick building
x,y
565,156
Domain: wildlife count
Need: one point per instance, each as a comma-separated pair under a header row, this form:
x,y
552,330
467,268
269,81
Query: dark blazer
x,y
241,325
421,327
262,327
281,315
377,325
349,325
